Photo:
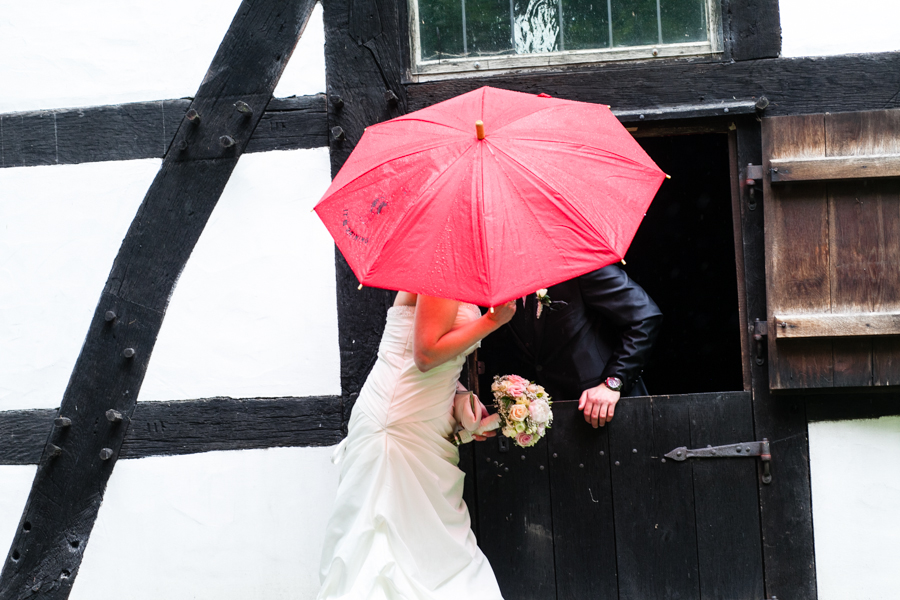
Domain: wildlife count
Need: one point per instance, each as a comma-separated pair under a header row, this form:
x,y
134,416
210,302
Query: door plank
x,y
656,536
583,531
514,518
729,549
797,252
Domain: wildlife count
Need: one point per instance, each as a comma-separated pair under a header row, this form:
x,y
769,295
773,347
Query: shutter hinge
x,y
760,449
760,330
753,178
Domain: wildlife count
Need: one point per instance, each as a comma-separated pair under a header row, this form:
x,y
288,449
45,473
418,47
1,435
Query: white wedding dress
x,y
400,529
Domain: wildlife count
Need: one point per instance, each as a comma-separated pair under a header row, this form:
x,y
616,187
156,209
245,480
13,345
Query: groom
x,y
590,343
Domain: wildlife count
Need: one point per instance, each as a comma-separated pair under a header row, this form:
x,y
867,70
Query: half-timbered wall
x,y
253,315
254,312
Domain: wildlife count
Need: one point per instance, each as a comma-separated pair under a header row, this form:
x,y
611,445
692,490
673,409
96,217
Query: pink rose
x,y
518,412
515,389
524,439
517,379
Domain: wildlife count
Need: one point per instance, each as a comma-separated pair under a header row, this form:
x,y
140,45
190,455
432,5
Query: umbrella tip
x,y
668,176
360,287
479,129
623,262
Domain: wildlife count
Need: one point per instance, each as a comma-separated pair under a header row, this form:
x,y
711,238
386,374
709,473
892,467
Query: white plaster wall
x,y
60,53
855,477
824,27
245,525
60,228
15,483
254,312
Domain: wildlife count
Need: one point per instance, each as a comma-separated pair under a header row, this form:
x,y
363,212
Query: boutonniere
x,y
543,299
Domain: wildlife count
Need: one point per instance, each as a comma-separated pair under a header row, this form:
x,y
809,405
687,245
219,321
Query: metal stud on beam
x,y
338,134
106,453
226,141
128,352
62,422
113,416
243,108
193,116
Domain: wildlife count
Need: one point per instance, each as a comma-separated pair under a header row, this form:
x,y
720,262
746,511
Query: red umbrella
x,y
549,190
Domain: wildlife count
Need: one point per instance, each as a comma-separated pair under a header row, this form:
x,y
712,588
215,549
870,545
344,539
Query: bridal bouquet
x,y
524,409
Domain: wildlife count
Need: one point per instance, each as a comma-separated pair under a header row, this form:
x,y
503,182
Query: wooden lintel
x,y
687,111
836,325
834,167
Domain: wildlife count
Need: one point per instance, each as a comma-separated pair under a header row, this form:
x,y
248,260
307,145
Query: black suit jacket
x,y
605,328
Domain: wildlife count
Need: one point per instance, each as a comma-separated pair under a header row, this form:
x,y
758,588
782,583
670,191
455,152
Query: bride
x,y
399,528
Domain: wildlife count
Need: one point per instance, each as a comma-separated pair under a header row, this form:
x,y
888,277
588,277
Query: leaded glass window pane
x,y
470,28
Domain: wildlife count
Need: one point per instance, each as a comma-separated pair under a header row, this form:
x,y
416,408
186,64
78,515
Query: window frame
x,y
476,66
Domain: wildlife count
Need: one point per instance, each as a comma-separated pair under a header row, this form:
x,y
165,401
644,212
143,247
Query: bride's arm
x,y
435,341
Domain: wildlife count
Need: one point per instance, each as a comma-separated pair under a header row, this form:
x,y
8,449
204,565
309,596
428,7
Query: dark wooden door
x,y
602,514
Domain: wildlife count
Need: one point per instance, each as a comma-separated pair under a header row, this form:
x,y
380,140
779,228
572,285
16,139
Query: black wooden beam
x,y
144,130
191,426
786,502
792,85
363,67
79,456
751,28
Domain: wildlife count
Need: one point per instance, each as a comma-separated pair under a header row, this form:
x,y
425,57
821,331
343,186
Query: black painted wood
x,y
583,531
68,489
792,85
23,434
843,406
726,502
144,130
786,503
362,61
191,426
515,521
751,28
656,536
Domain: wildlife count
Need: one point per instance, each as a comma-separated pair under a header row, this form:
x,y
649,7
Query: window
x,y
453,36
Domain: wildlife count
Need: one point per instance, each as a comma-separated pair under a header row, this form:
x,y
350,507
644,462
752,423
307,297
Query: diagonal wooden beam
x,y
79,455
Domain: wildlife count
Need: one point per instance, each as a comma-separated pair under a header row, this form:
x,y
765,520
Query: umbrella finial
x,y
479,129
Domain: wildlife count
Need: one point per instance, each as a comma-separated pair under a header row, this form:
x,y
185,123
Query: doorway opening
x,y
683,256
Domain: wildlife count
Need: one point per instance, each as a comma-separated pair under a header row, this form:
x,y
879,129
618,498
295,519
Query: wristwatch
x,y
614,383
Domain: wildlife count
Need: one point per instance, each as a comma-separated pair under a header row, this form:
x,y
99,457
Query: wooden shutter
x,y
832,216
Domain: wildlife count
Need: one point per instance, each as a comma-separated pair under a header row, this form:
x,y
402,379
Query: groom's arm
x,y
623,303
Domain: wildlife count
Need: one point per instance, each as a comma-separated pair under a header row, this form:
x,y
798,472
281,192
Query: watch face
x,y
614,383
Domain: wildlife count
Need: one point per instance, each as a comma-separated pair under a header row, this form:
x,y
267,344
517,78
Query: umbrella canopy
x,y
554,189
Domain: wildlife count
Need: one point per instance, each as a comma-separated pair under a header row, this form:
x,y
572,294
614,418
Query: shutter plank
x,y
865,254
797,252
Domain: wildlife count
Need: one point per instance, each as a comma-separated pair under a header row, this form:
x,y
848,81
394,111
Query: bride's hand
x,y
502,314
486,434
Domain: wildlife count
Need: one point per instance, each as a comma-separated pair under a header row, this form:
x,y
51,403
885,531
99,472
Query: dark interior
x,y
683,255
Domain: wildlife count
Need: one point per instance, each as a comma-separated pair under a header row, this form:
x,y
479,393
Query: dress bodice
x,y
396,390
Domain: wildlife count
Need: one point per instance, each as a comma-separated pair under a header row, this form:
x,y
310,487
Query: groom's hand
x,y
598,404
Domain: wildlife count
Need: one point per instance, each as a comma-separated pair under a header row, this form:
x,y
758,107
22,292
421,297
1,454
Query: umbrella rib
x,y
418,120
595,148
542,180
